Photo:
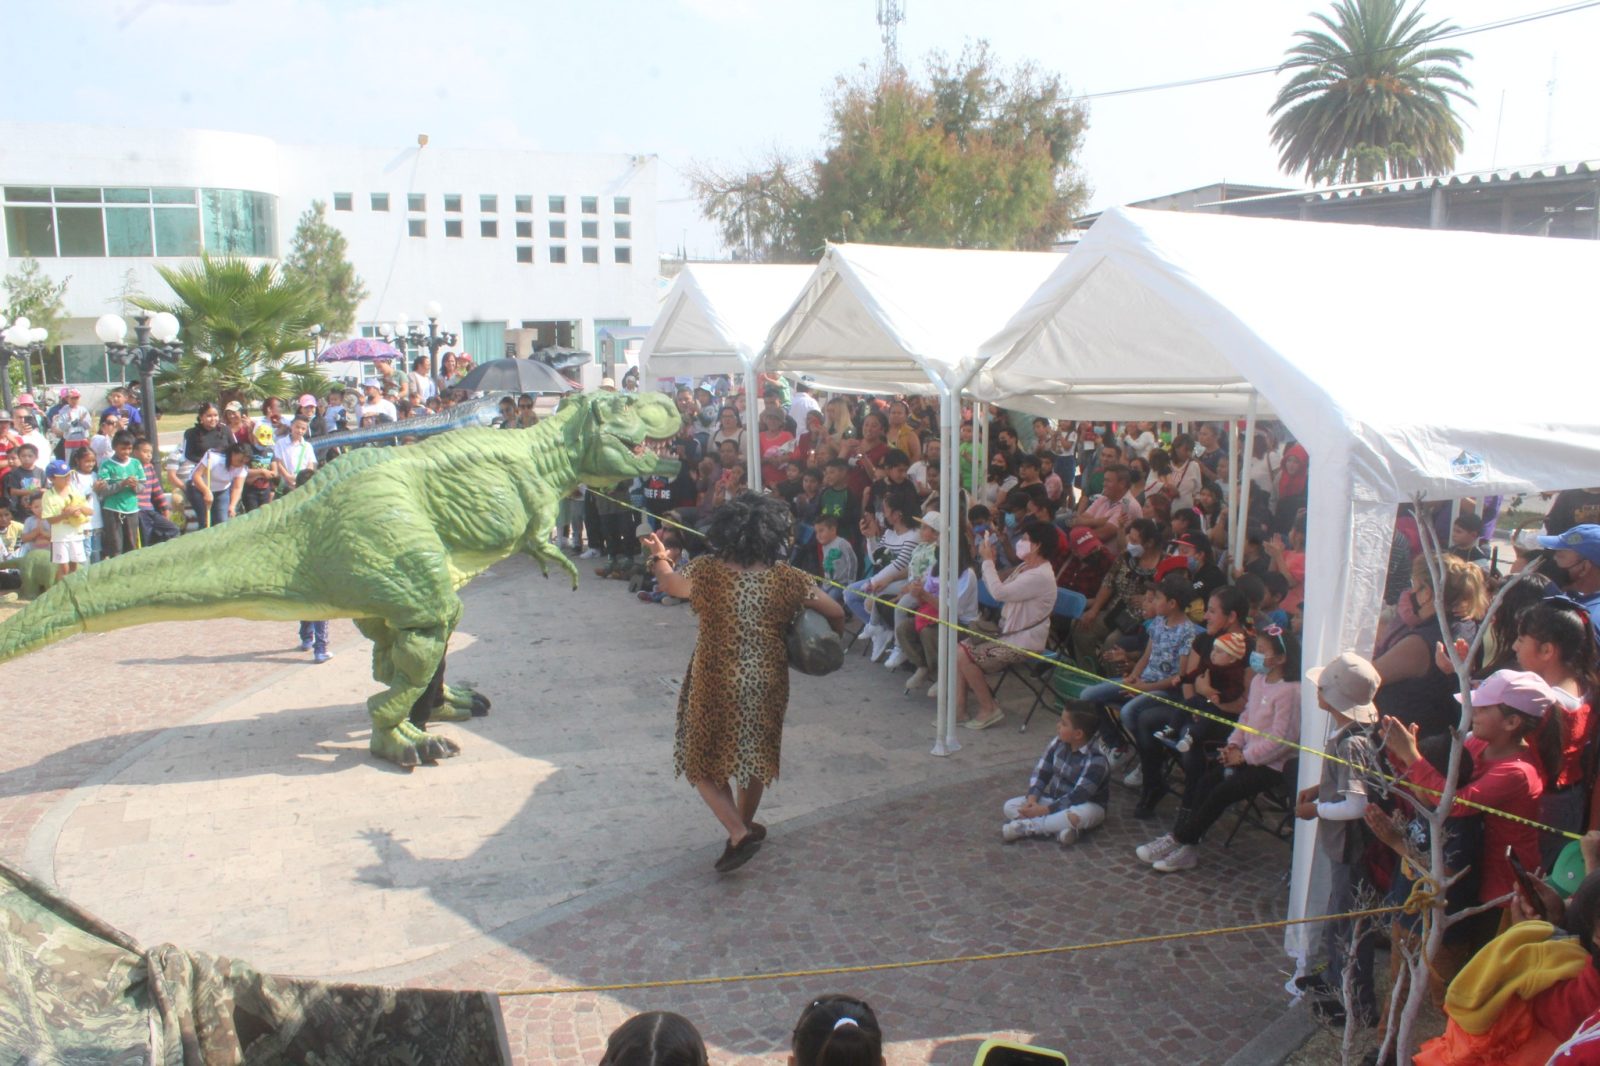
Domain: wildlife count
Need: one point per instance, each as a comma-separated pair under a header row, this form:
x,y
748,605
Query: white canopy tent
x,y
908,320
714,320
1409,362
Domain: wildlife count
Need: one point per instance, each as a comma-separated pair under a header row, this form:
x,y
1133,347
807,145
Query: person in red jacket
x,y
1516,747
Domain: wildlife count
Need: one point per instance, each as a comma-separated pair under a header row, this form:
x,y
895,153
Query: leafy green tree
x,y
32,295
317,258
972,156
1371,96
244,329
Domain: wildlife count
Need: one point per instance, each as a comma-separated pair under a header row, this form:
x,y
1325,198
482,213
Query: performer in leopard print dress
x,y
736,690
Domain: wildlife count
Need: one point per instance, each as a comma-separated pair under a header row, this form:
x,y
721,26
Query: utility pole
x,y
890,14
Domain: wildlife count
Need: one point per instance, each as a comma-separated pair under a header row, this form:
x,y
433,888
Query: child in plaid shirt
x,y
1068,791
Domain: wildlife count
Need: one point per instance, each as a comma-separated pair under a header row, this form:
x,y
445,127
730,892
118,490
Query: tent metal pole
x,y
1235,490
752,428
944,741
1245,480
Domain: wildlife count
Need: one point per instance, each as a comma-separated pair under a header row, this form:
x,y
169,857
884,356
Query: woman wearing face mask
x,y
1115,610
1027,597
999,483
1415,690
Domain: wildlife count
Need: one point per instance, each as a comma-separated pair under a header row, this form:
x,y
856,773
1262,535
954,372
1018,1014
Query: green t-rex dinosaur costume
x,y
385,536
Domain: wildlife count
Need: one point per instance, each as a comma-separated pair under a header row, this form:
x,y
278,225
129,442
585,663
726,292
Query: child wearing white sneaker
x,y
1069,789
924,557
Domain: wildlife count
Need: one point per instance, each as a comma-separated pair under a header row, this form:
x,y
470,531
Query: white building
x,y
532,248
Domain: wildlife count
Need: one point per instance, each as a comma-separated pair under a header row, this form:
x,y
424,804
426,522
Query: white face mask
x,y
1135,550
1024,549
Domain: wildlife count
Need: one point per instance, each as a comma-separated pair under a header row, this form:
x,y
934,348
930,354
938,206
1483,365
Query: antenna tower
x,y
890,14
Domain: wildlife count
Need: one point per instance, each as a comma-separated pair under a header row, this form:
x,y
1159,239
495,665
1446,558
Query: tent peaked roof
x,y
893,319
1433,357
716,316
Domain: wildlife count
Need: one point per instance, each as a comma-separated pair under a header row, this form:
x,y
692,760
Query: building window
x,y
624,254
488,227
160,222
30,231
524,253
177,231
622,205
591,254
591,230
452,227
558,205
416,201
525,228
524,205
452,201
82,231
417,227
128,231
380,201
558,229
342,201
623,231
488,204
558,253
591,205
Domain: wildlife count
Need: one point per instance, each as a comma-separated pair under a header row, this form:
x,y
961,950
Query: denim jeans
x,y
1107,692
315,634
857,603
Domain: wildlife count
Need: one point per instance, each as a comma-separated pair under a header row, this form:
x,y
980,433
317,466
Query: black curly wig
x,y
750,529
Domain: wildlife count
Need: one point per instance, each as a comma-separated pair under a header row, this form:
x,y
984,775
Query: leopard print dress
x,y
736,690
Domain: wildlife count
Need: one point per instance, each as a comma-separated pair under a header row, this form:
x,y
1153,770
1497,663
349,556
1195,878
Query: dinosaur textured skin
x,y
384,536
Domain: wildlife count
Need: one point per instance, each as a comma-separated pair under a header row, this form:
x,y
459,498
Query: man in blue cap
x,y
1577,556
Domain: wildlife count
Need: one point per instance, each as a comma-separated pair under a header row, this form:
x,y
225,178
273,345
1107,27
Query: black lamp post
x,y
434,339
162,329
20,340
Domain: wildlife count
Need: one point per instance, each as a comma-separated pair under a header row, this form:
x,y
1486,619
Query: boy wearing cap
x,y
68,512
1088,563
918,568
1577,554
1338,803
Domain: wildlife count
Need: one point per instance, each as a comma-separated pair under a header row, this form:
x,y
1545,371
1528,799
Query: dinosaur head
x,y
622,434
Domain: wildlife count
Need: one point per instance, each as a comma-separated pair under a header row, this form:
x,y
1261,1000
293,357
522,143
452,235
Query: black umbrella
x,y
562,358
513,375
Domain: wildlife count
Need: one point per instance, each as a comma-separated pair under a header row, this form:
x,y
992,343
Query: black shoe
x,y
1327,1009
735,857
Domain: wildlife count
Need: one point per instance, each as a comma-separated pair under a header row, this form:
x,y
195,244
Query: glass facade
x,y
83,223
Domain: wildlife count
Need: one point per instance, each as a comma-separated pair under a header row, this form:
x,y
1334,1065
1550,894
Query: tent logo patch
x,y
1467,467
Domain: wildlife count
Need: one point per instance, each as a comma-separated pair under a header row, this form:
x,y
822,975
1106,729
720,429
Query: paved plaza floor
x,y
205,784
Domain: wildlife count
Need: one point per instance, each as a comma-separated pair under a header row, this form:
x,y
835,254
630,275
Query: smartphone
x,y
1009,1053
1525,881
644,529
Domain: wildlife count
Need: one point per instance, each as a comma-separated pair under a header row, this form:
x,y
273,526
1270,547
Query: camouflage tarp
x,y
75,990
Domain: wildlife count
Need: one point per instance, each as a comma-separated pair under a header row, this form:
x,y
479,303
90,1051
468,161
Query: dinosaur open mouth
x,y
659,446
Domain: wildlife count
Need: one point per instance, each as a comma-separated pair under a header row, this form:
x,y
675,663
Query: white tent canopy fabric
x,y
714,321
1408,362
716,317
893,319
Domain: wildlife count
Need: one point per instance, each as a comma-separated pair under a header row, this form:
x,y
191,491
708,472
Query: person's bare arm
x,y
1404,661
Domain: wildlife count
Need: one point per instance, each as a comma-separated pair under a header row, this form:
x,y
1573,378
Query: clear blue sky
x,y
725,80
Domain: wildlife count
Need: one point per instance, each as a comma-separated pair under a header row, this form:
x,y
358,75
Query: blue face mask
x,y
1258,663
1194,563
980,529
1011,520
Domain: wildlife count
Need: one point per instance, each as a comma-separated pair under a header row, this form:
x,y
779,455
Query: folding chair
x,y
1278,800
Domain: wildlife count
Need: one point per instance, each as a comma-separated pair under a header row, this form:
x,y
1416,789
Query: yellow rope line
x,y
1062,664
875,967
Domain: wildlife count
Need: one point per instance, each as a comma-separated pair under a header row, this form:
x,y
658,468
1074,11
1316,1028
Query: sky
x,y
726,81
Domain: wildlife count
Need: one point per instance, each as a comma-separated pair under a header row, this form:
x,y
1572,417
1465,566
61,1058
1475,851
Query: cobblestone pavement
x,y
208,786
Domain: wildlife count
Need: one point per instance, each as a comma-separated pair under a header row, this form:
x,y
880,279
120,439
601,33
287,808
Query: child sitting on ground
x,y
1070,786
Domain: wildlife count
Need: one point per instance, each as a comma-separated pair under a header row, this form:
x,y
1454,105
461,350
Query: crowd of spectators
x,y
1197,649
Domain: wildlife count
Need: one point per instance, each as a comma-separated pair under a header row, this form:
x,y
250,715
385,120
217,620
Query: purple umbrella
x,y
365,349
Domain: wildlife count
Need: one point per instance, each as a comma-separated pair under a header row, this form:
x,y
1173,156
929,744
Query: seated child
x,y
672,544
836,559
1466,535
1070,786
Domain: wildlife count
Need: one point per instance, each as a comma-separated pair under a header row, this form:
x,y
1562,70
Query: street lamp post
x,y
20,340
312,348
432,340
162,329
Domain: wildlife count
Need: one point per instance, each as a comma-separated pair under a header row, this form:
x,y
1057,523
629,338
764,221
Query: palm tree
x,y
241,325
1370,99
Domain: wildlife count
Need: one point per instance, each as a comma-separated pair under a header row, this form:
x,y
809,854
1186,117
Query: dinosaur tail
x,y
149,585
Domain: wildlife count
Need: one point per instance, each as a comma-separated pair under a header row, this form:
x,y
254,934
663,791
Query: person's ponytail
x,y
837,1030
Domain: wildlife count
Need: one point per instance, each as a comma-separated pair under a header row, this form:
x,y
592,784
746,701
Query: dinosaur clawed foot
x,y
408,746
460,702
